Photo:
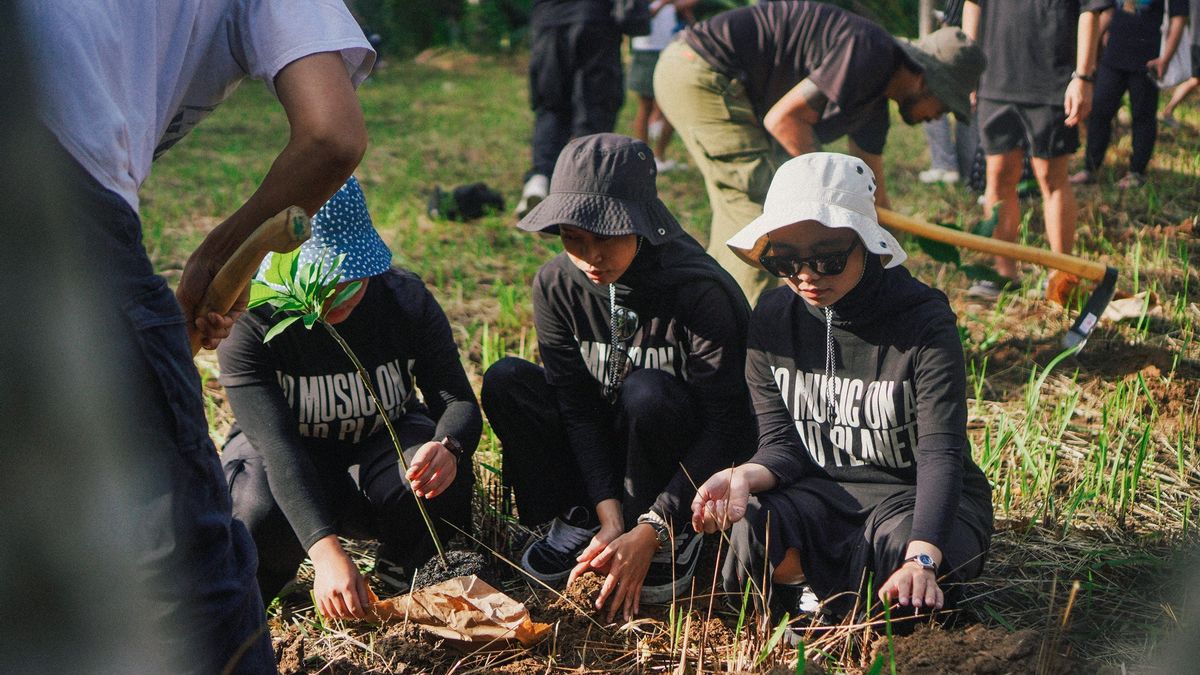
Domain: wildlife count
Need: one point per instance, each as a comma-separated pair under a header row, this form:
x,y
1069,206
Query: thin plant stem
x,y
362,376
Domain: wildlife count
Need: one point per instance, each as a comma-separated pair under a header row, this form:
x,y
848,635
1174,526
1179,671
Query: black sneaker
x,y
802,607
672,568
551,558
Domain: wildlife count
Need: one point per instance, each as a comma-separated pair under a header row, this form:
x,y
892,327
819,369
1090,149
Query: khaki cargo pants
x,y
713,115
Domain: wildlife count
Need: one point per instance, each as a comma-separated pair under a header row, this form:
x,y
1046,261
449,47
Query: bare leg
x,y
664,138
641,121
1058,201
789,571
1181,92
1003,174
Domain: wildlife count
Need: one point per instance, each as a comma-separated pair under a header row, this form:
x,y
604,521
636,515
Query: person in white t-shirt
x,y
123,81
649,125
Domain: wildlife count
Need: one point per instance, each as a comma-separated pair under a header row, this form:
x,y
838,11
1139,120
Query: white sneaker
x,y
929,176
665,165
535,190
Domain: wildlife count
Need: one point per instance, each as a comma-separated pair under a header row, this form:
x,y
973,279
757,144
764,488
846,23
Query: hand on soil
x,y
341,591
432,470
913,586
624,561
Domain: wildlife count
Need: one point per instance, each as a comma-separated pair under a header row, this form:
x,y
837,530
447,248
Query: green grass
x,y
1098,444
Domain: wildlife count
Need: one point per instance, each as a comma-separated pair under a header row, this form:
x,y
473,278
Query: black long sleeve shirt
x,y
692,322
299,400
898,394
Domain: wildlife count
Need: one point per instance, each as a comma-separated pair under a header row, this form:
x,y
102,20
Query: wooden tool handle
x,y
281,233
1086,269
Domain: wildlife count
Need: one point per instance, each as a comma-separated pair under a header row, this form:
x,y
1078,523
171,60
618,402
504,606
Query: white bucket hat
x,y
833,189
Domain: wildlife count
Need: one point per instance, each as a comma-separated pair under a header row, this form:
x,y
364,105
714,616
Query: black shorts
x,y
1195,60
1038,129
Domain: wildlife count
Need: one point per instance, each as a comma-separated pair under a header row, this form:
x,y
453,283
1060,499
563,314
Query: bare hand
x,y
625,561
198,273
340,590
1078,101
912,585
432,470
1157,67
720,501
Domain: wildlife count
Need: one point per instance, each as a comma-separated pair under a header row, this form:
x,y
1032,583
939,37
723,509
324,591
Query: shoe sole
x,y
664,594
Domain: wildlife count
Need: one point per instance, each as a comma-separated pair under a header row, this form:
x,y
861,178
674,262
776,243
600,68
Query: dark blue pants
x,y
196,561
650,422
1111,84
576,86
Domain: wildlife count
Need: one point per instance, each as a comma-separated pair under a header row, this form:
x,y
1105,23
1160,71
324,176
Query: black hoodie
x,y
692,324
899,393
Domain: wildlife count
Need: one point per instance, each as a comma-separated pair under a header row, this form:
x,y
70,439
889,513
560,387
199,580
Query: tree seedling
x,y
308,293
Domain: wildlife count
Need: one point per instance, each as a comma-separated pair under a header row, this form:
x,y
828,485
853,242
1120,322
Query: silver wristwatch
x,y
924,560
661,531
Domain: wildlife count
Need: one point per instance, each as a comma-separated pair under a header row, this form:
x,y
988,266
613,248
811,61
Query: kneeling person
x,y
309,458
863,473
642,336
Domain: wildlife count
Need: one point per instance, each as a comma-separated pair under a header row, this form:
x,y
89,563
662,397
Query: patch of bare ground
x,y
931,650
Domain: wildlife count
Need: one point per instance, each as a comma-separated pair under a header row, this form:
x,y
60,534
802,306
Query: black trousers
x,y
196,561
576,86
370,498
649,422
1111,84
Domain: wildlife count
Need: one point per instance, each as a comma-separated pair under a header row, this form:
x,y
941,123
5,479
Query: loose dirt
x,y
458,564
974,649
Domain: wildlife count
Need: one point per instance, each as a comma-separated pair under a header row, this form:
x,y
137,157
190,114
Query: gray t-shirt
x,y
127,79
772,46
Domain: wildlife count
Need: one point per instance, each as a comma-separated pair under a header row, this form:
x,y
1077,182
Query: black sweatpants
x,y
1111,84
650,422
370,499
576,86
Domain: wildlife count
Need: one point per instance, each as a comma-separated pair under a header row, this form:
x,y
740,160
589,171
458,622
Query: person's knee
x,y
501,377
1051,174
1004,171
650,393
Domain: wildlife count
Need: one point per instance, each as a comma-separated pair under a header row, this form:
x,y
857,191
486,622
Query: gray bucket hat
x,y
952,63
604,184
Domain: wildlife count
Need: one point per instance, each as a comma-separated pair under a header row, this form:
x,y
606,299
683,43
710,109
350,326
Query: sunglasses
x,y
624,325
789,265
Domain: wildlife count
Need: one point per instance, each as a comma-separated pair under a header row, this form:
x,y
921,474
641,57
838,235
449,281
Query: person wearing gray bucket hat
x,y
753,86
858,382
642,341
309,459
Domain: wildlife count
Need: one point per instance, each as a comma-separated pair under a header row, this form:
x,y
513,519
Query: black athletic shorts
x,y
1038,129
1195,59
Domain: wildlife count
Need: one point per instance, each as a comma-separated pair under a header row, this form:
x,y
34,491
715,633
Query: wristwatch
x,y
451,443
924,561
1076,75
661,531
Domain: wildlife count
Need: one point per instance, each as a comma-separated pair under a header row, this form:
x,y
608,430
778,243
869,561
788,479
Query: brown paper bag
x,y
465,611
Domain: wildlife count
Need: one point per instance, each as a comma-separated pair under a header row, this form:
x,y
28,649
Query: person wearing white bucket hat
x,y
309,459
857,378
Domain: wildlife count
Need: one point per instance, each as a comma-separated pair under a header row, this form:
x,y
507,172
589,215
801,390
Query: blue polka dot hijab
x,y
343,226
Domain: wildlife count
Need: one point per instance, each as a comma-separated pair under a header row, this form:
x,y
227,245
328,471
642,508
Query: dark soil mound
x,y
975,649
458,564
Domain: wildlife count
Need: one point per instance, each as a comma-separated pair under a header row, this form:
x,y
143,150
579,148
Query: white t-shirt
x,y
123,80
662,29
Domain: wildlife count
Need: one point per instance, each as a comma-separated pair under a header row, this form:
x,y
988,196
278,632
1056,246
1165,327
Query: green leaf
x,y
277,271
279,328
987,226
940,251
260,294
311,319
877,665
773,642
345,295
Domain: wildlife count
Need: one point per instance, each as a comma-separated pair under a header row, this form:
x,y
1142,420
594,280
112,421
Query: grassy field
x,y
1092,457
